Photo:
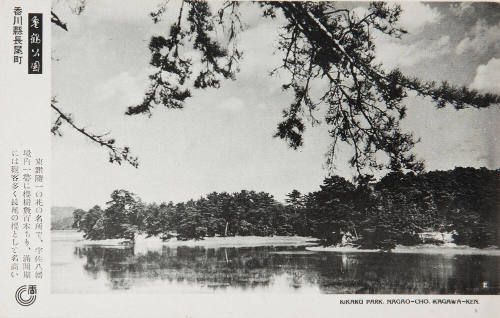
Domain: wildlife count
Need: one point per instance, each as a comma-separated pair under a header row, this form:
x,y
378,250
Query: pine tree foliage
x,y
319,41
373,215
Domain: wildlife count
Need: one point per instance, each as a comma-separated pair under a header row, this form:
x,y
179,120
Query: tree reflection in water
x,y
255,268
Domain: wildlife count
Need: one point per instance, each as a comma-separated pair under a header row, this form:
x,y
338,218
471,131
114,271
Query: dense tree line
x,y
368,214
222,214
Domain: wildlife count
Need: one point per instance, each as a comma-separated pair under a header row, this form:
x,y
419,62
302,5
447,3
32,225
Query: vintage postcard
x,y
249,159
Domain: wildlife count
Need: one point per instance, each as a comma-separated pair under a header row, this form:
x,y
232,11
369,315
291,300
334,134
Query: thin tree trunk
x,y
225,230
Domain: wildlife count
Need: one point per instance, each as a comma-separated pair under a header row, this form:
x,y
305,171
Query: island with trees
x,y
395,210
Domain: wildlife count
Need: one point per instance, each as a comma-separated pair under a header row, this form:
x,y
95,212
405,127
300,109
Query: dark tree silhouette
x,y
117,154
121,218
320,41
376,215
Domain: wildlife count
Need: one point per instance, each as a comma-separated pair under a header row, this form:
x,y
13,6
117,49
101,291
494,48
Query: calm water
x,y
80,268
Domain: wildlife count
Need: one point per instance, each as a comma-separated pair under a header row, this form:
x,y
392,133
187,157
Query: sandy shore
x,y
311,244
448,249
233,241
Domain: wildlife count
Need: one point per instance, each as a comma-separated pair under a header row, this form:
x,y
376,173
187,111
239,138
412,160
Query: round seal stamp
x,y
26,295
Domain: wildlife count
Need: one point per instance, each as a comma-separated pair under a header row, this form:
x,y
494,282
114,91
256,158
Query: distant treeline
x,y
392,211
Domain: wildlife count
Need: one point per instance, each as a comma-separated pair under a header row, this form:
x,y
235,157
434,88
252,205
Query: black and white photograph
x,y
251,147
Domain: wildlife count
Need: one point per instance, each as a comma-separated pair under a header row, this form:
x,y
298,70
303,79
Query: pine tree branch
x,y
55,19
116,154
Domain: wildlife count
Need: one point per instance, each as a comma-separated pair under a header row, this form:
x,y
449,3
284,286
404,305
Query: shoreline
x,y
444,249
230,241
311,244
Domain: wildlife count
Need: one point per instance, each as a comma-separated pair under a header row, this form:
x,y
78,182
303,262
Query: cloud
x,y
232,104
123,89
360,12
262,105
481,38
462,9
392,53
119,10
488,76
409,52
416,15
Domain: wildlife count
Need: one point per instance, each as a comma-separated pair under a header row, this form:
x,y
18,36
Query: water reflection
x,y
292,268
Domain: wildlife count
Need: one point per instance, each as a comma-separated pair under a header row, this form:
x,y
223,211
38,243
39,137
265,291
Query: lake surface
x,y
79,268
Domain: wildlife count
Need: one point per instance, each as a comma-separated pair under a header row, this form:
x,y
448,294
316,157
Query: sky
x,y
222,139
